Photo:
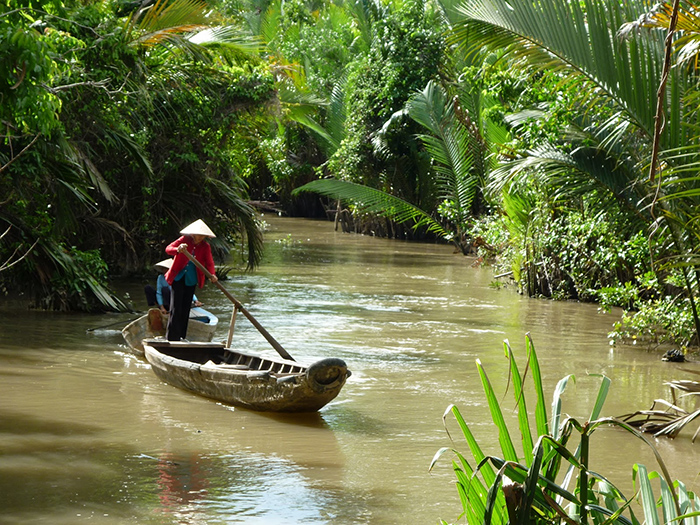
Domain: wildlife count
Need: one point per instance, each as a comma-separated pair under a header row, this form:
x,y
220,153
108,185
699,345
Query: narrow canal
x,y
88,433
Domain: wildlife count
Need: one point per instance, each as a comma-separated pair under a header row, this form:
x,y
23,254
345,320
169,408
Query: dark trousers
x,y
180,303
151,296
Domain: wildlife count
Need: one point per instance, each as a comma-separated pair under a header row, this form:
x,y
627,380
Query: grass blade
x,y
540,408
647,496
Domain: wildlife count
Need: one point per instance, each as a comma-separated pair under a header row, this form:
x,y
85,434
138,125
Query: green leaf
x,y
540,407
523,421
503,435
647,495
369,200
556,405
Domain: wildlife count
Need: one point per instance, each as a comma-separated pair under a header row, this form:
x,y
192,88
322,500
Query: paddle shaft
x,y
242,309
110,324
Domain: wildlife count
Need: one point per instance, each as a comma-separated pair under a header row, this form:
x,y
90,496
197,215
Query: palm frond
x,y
380,143
53,263
240,213
230,38
304,108
365,13
370,200
302,116
335,115
116,139
450,143
189,27
156,21
269,23
79,171
578,39
687,38
573,175
307,109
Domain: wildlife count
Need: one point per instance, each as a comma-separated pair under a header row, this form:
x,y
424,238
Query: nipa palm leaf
x,y
370,200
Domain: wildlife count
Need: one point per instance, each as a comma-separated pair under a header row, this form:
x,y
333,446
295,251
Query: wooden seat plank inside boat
x,y
260,363
217,354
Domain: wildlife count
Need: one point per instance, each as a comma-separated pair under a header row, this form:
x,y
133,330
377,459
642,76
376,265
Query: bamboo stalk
x,y
230,327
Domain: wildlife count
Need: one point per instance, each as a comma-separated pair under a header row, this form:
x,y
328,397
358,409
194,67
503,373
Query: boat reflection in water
x,y
182,486
294,459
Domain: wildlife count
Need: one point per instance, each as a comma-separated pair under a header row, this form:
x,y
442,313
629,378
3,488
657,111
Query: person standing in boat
x,y
183,275
160,295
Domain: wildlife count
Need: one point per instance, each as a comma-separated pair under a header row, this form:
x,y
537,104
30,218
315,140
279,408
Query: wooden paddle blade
x,y
155,321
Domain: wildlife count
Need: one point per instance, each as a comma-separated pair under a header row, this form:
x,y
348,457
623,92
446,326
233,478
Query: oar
x,y
240,307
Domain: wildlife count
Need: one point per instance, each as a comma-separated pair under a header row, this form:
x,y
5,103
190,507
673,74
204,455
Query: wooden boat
x,y
201,327
244,379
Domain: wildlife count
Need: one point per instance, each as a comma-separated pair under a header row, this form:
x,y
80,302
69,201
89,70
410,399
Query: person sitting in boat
x,y
183,275
160,295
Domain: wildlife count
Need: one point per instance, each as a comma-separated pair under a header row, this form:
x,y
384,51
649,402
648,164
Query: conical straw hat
x,y
197,228
165,264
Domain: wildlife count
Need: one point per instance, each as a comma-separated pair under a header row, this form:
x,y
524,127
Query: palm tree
x,y
580,42
453,141
196,45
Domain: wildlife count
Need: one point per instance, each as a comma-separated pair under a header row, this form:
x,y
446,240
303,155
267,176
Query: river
x,y
88,433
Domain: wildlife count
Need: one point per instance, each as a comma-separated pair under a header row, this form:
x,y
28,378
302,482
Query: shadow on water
x,y
347,420
48,464
59,330
340,419
27,360
12,422
309,420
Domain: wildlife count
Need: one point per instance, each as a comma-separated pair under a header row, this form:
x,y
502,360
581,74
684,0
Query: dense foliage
x,y
120,125
520,131
592,165
558,101
480,125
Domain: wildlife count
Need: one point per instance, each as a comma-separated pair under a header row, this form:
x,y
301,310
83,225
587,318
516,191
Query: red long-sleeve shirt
x,y
201,252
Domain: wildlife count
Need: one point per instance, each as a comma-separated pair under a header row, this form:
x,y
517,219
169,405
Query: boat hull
x,y
246,380
154,323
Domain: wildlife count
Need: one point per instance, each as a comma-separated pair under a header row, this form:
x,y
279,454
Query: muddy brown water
x,y
88,433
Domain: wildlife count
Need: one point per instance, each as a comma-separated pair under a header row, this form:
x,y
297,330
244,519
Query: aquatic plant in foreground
x,y
513,490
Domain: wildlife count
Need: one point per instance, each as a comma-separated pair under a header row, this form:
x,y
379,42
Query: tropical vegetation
x,y
529,133
561,134
558,138
117,121
551,480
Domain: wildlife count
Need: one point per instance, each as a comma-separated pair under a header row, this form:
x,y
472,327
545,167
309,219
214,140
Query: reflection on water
x,y
87,432
182,485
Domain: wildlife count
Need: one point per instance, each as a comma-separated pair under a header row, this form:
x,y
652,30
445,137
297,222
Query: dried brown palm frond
x,y
670,419
686,385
